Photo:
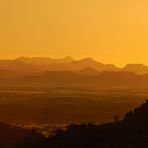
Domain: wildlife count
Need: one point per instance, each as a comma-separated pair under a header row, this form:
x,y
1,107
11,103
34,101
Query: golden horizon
x,y
110,31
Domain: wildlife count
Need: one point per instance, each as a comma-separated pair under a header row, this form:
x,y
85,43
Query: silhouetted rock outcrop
x,y
139,115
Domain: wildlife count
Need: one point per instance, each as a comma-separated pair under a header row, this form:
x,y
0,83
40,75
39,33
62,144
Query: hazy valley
x,y
36,92
49,94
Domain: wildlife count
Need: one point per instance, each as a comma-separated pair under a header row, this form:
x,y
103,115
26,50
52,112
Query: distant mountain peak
x,y
44,60
22,58
88,59
137,68
135,65
68,59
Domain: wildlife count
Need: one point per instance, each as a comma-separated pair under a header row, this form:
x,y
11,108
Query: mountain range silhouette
x,y
41,64
67,72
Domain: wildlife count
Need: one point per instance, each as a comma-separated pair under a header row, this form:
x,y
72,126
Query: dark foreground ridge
x,y
15,137
132,132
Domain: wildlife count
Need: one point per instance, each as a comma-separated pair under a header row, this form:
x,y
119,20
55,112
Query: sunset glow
x,y
110,31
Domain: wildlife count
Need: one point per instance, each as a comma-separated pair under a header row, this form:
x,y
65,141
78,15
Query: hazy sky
x,y
111,31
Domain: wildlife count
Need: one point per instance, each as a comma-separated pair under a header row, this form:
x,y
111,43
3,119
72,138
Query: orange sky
x,y
111,31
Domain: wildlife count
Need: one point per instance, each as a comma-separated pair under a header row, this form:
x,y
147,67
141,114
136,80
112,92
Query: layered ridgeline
x,y
131,132
38,64
46,72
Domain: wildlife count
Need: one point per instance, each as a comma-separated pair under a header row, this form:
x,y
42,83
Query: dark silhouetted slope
x,y
139,115
15,137
132,132
123,134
